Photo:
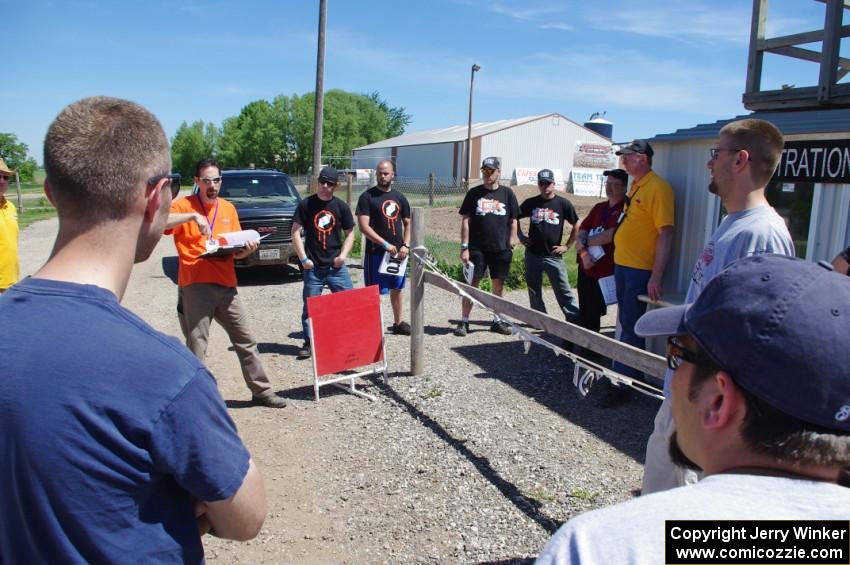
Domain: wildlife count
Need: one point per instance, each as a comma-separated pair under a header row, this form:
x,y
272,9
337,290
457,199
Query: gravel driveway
x,y
478,460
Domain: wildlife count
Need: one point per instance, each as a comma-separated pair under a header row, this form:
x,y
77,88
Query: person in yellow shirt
x,y
642,242
9,268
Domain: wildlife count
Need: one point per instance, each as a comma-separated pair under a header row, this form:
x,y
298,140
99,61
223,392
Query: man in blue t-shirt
x,y
327,224
116,445
544,246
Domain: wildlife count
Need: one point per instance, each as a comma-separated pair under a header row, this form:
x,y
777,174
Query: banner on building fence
x,y
587,182
528,175
825,161
594,155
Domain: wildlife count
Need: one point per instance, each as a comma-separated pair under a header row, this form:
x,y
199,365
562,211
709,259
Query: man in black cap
x,y
327,224
488,234
642,242
761,402
545,247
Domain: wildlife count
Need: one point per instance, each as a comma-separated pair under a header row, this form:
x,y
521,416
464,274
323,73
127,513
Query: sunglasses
x,y
488,171
327,183
214,180
173,179
544,182
677,353
715,151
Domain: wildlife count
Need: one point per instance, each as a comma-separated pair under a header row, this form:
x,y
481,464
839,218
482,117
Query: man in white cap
x,y
9,268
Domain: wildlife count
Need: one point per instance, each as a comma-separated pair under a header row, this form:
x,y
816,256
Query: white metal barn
x,y
536,142
811,188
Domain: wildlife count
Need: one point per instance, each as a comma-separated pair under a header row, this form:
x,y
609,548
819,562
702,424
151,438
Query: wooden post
x,y
348,190
417,293
20,196
430,189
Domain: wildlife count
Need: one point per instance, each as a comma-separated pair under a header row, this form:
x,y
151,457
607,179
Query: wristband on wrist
x,y
386,244
464,246
582,253
304,260
405,245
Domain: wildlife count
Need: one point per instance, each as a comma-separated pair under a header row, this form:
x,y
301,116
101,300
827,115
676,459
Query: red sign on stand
x,y
347,333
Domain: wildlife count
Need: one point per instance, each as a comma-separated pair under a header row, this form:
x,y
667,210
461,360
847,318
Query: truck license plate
x,y
267,254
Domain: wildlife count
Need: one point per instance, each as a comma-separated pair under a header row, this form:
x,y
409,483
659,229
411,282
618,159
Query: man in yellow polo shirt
x,y
9,269
642,242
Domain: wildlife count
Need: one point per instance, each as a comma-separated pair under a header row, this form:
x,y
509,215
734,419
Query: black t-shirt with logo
x,y
546,225
386,210
490,214
324,223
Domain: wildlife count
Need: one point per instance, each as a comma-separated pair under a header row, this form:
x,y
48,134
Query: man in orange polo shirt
x,y
208,285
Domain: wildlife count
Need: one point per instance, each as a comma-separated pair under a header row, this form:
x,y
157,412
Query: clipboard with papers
x,y
233,242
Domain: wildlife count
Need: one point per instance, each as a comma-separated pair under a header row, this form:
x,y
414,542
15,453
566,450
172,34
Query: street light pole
x,y
469,126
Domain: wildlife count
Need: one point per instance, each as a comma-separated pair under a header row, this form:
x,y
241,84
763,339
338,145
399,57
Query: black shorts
x,y
499,262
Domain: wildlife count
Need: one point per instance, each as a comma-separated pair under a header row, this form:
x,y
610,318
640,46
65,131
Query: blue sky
x,y
653,66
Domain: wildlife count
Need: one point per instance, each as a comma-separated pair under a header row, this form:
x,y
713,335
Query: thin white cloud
x,y
558,26
523,11
686,21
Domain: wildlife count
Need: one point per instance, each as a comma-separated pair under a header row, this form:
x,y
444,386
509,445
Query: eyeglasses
x,y
214,180
716,150
676,353
173,179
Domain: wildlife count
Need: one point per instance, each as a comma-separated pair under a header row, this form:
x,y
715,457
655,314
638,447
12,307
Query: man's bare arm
x,y
175,220
241,516
663,246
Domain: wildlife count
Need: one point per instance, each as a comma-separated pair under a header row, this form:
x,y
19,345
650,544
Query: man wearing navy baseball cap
x,y
761,402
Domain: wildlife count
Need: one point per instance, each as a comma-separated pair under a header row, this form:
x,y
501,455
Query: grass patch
x,y
583,494
30,215
447,255
541,496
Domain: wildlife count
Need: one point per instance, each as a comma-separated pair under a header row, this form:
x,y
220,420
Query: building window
x,y
793,201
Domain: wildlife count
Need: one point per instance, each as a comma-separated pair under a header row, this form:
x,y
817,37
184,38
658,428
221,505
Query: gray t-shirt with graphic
x,y
741,234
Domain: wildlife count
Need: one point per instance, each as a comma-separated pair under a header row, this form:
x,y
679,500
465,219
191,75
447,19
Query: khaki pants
x,y
203,303
659,471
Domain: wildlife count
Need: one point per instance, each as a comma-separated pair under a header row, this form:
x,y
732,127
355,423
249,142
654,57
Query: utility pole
x,y
469,126
320,96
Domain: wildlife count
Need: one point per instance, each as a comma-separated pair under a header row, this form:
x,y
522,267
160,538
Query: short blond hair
x,y
97,153
762,140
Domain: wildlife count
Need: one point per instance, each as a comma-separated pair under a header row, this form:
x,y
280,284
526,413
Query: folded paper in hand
x,y
231,242
392,265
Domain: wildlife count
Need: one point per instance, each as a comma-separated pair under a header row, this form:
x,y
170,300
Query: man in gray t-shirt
x,y
761,403
741,166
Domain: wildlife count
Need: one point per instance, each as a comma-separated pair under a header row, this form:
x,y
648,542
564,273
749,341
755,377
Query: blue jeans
x,y
630,283
535,266
315,280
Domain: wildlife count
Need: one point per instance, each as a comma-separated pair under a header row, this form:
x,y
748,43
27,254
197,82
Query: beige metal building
x,y
544,141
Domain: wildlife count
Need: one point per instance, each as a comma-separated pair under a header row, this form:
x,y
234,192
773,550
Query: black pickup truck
x,y
265,200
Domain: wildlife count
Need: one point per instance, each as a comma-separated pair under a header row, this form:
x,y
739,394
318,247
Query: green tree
x,y
192,143
279,134
14,153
